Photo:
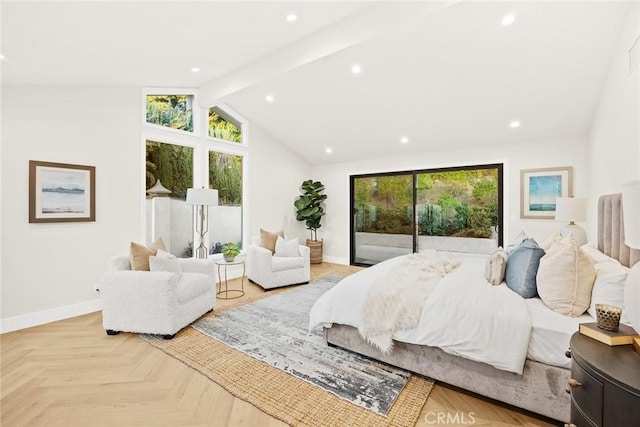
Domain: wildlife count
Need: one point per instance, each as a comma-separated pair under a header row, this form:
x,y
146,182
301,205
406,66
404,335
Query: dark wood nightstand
x,y
604,384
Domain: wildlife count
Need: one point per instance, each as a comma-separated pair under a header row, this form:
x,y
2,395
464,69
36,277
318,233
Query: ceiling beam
x,y
375,20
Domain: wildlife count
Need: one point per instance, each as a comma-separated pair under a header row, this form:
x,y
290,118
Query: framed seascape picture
x,y
539,189
60,192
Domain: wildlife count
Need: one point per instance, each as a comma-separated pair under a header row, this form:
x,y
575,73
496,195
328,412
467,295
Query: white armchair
x,y
155,302
270,271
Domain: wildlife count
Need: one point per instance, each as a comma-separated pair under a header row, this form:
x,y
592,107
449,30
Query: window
x,y
223,126
402,212
168,216
171,111
225,220
180,154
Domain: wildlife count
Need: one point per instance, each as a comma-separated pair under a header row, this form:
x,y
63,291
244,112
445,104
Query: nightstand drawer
x,y
578,418
588,395
621,408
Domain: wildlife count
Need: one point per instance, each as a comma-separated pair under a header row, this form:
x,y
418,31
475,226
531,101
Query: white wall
x,y
537,154
615,134
275,175
50,269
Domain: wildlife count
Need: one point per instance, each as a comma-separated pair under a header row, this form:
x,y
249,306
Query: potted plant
x,y
230,251
309,209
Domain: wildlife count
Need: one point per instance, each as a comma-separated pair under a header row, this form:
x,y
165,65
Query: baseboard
x,y
335,260
47,316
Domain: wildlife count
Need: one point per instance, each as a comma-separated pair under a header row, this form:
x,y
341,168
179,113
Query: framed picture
x,y
539,189
60,192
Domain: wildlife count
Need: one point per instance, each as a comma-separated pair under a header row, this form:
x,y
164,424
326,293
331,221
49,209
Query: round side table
x,y
225,294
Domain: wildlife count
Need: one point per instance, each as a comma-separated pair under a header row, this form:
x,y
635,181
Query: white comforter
x,y
464,315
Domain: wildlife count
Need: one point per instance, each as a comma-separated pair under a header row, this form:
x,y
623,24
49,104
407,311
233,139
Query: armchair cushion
x,y
157,263
193,265
286,263
139,254
268,239
287,248
192,285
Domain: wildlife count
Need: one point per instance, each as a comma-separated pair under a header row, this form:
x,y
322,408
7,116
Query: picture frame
x,y
61,192
539,189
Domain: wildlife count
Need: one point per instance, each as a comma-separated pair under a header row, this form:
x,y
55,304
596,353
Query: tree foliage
x,y
172,165
449,203
225,175
221,128
174,111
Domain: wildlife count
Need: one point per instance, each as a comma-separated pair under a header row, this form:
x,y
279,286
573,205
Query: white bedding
x,y
551,333
464,315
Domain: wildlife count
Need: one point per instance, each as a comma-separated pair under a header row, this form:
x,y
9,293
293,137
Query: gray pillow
x,y
522,267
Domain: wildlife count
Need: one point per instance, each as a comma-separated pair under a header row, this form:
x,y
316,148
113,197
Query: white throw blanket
x,y
394,301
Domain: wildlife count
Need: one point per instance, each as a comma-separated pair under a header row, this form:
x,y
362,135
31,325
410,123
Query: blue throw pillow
x,y
522,267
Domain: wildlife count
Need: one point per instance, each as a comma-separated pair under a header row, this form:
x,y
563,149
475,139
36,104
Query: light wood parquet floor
x,y
70,373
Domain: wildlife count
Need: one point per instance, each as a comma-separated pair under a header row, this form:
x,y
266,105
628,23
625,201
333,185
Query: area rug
x,y
263,354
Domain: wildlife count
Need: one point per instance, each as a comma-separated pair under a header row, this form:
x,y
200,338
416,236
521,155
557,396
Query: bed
x,y
537,385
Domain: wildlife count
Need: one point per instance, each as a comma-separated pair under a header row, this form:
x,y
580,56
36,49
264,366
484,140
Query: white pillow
x,y
157,263
555,237
496,266
565,278
517,241
287,248
597,256
609,287
165,254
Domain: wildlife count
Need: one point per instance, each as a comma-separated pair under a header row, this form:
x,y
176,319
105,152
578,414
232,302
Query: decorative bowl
x,y
608,316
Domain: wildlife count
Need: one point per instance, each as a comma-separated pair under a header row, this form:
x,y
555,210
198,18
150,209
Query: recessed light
x,y
1,57
404,140
356,69
328,150
269,98
514,124
291,17
508,20
195,69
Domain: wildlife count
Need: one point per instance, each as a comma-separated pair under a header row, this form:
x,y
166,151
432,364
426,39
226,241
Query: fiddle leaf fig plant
x,y
308,206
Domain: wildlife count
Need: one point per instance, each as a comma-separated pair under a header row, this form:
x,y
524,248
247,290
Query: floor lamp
x,y
201,199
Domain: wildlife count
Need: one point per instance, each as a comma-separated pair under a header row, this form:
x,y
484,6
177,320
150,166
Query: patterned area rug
x,y
263,353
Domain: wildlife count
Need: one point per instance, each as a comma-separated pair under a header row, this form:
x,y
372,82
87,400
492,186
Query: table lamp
x,y
573,210
631,217
201,199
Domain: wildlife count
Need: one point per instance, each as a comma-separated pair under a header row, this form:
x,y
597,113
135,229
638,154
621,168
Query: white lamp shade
x,y
631,213
631,218
202,197
571,209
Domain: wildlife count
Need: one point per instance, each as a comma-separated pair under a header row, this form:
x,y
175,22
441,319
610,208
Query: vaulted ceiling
x,y
442,75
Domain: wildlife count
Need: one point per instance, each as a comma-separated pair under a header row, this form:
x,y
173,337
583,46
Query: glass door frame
x,y
414,174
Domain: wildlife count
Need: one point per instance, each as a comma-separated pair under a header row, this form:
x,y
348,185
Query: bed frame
x,y
541,388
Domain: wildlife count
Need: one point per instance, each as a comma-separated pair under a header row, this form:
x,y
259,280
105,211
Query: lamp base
x,y
578,233
201,252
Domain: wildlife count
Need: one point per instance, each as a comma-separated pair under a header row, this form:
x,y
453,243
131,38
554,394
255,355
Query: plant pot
x,y
228,258
316,251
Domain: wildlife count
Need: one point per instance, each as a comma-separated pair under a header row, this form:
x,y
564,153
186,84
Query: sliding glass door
x,y
382,217
456,209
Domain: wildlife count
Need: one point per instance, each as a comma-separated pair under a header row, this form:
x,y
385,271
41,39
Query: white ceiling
x,y
445,74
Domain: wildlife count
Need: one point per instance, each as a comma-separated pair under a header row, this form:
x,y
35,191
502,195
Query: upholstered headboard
x,y
611,230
